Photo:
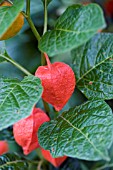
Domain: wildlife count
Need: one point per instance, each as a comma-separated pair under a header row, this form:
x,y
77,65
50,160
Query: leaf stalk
x,y
16,64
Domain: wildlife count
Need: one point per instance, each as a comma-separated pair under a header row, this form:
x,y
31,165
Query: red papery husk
x,y
25,130
58,81
54,161
3,147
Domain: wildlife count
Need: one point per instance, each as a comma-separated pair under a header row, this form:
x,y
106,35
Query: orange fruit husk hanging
x,y
25,130
15,27
58,81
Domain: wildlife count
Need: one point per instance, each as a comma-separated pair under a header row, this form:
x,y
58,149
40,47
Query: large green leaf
x,y
93,67
17,99
12,161
9,14
84,132
75,26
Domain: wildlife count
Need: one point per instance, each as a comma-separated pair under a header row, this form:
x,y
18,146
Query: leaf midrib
x,y
11,162
100,153
77,32
93,68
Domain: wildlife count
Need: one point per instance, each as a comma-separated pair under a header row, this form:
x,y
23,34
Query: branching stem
x,y
43,59
28,18
16,64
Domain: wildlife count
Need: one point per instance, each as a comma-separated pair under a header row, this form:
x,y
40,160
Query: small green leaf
x,y
84,132
9,14
17,99
93,67
46,1
75,26
12,161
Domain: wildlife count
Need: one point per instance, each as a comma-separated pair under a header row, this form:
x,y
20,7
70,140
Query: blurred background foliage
x,y
23,48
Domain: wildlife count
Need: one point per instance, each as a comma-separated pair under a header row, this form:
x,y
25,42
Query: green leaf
x,y
46,1
84,132
12,161
17,99
93,67
9,14
75,26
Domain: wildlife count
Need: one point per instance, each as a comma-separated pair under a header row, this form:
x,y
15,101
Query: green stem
x,y
33,28
28,18
45,17
43,60
37,35
28,8
46,106
16,64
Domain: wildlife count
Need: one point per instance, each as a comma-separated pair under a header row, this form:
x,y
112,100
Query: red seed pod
x,y
3,147
54,161
25,130
58,81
